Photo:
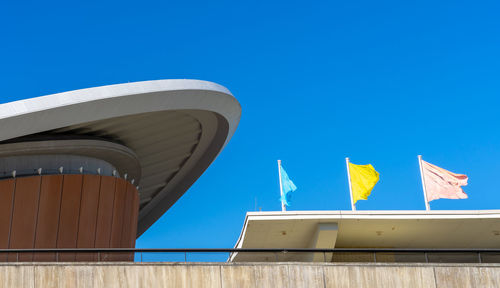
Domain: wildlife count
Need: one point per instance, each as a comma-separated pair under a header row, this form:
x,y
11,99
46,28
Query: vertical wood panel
x,y
105,214
67,211
118,212
24,216
6,198
135,216
127,226
88,216
134,213
118,215
48,216
127,216
69,217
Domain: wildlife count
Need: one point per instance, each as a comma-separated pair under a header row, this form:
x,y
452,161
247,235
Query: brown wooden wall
x,y
67,211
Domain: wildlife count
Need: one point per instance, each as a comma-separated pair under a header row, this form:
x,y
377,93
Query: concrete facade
x,y
223,275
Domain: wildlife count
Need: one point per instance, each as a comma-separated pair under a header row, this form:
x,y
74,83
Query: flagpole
x,y
283,207
427,207
349,180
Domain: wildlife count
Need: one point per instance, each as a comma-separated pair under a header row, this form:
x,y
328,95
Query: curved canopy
x,y
176,128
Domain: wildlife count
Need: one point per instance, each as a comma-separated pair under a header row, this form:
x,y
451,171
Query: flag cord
x,y
427,207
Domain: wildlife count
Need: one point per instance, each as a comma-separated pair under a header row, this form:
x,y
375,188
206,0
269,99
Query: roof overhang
x,y
176,128
370,229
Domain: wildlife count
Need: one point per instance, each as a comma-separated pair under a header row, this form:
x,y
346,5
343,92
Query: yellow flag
x,y
363,179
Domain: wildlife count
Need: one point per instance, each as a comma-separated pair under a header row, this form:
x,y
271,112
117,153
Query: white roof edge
x,y
394,214
239,242
375,212
41,103
223,103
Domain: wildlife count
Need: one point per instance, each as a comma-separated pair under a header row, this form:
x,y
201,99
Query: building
x,y
391,230
97,167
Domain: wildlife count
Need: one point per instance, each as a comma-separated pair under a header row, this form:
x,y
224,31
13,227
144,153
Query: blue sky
x,y
378,81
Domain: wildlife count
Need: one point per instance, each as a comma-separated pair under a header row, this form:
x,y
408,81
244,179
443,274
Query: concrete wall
x,y
248,275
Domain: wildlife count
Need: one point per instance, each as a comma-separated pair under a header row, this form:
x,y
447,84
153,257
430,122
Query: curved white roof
x,y
176,128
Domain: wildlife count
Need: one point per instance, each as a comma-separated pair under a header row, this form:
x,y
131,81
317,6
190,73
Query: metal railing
x,y
374,255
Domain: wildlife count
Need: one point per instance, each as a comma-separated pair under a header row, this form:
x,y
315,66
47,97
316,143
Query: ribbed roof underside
x,y
163,142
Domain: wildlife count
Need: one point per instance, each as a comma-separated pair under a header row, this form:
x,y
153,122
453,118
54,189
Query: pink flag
x,y
441,183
